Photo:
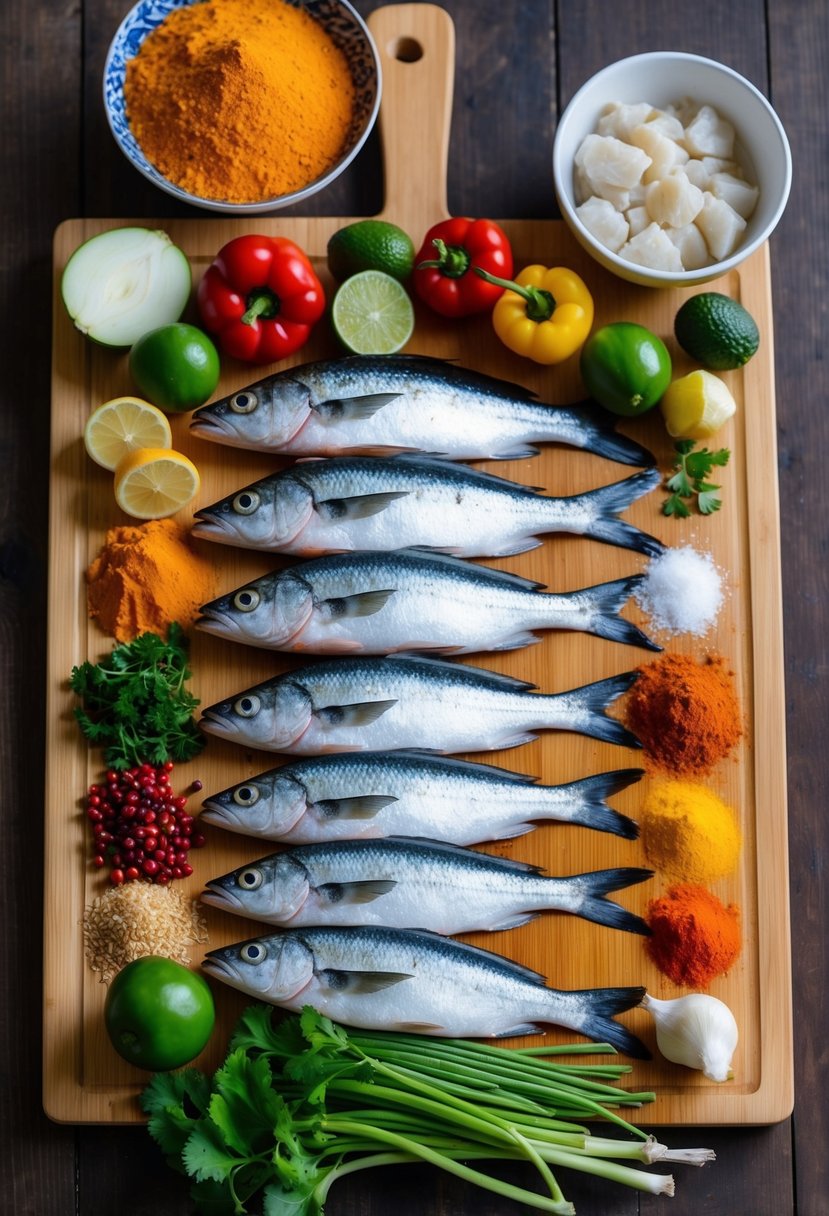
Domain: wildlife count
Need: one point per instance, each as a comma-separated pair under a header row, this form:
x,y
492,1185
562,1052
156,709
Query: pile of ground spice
x,y
689,833
145,577
137,919
685,714
694,936
240,100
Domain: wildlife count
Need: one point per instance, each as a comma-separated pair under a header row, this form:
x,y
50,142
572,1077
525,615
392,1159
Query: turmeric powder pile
x,y
689,833
240,100
145,577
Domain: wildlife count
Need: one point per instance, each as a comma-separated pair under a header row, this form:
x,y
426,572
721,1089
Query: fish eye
x,y
246,502
246,795
249,879
253,952
247,599
243,403
247,707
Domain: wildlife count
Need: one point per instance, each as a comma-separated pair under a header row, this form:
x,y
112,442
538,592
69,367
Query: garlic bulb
x,y
697,1030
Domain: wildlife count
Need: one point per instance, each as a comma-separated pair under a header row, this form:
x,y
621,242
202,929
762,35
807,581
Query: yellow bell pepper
x,y
546,314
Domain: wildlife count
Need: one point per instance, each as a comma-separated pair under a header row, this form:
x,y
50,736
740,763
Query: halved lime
x,y
372,314
370,245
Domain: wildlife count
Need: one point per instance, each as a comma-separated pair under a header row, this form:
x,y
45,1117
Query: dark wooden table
x,y
517,65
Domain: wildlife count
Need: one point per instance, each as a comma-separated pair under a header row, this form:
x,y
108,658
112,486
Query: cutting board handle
x,y
416,45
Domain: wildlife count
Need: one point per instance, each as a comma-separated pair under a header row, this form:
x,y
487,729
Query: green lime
x,y
370,245
158,1014
176,367
625,367
717,331
372,314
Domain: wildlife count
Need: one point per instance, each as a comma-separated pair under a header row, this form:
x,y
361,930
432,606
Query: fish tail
x,y
599,428
604,603
583,710
605,504
590,808
591,1011
591,889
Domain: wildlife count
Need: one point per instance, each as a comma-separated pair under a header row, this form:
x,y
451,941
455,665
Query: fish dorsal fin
x,y
365,807
365,603
461,565
465,376
356,892
472,767
362,713
461,472
348,409
361,506
357,983
420,844
482,674
497,962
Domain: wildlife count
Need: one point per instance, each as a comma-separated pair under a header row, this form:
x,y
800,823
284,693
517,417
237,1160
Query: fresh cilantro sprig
x,y
300,1103
693,468
135,704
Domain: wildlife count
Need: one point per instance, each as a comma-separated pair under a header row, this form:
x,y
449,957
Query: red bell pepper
x,y
261,298
447,282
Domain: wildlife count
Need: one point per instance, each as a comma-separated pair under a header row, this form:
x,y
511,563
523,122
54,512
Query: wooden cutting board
x,y
83,1079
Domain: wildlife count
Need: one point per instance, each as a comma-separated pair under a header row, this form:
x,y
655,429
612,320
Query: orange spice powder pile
x,y
685,714
240,100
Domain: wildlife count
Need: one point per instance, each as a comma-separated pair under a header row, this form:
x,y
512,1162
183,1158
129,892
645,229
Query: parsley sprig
x,y
693,468
135,704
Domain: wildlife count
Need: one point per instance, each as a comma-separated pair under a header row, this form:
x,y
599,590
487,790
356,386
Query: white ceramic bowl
x,y
662,77
346,29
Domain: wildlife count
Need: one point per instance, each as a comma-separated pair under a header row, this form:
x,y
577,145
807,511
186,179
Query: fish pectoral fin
x,y
358,983
362,713
348,409
358,507
366,603
365,807
364,892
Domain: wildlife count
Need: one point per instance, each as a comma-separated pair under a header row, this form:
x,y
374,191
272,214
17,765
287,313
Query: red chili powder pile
x,y
695,937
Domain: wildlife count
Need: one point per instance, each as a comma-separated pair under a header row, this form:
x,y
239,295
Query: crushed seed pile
x,y
137,919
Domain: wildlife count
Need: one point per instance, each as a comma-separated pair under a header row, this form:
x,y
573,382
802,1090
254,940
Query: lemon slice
x,y
372,314
122,425
697,405
151,483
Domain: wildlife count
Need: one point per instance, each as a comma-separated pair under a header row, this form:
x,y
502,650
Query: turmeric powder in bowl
x,y
240,100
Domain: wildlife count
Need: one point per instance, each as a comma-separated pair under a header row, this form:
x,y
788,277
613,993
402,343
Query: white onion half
x,y
120,284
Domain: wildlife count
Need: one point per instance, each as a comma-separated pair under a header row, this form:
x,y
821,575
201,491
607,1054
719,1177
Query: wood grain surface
x,y
516,66
83,1078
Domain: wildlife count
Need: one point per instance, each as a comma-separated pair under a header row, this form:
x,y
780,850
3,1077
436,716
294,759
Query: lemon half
x,y
697,405
152,483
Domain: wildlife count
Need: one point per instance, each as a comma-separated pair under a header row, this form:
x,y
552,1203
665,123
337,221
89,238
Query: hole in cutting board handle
x,y
406,50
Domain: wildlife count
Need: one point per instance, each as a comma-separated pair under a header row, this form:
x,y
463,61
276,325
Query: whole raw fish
x,y
364,502
408,884
404,403
369,795
380,603
355,704
416,981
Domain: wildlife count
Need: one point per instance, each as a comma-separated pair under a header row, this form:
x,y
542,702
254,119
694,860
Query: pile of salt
x,y
681,592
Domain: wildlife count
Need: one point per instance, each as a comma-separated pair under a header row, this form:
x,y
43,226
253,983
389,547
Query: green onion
x,y
300,1103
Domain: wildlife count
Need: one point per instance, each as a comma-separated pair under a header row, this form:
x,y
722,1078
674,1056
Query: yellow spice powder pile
x,y
689,833
240,100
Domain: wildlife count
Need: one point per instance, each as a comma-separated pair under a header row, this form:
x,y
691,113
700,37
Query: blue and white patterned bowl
x,y
346,29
